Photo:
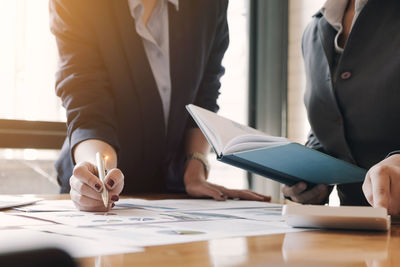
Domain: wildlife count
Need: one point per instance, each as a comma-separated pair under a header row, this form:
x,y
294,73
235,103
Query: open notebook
x,y
273,157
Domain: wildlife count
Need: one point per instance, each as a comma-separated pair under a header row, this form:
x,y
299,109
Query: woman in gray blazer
x,y
351,52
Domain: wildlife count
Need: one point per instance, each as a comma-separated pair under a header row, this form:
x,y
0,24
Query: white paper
x,y
155,205
140,222
7,220
54,205
123,217
49,205
7,201
113,217
182,232
272,214
191,204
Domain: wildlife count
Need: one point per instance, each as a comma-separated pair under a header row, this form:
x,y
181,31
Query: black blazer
x,y
107,87
356,120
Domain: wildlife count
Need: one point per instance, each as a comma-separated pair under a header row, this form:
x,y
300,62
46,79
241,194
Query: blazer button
x,y
345,75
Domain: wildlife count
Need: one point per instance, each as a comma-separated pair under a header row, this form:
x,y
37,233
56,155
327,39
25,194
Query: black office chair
x,y
44,257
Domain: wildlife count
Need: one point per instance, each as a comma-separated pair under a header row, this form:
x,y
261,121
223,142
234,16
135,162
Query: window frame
x,y
32,134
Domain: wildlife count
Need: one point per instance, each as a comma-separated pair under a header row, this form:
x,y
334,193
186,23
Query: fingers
x,y
247,195
381,186
298,193
114,180
316,195
266,198
84,203
394,207
367,189
293,191
205,190
380,181
86,173
242,194
86,188
114,194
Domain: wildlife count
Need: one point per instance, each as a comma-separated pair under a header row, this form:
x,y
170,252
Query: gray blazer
x,y
357,117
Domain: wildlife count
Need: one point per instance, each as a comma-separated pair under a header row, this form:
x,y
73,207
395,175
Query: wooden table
x,y
310,248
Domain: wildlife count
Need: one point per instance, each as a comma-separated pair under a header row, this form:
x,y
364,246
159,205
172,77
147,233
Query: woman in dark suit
x,y
127,70
352,59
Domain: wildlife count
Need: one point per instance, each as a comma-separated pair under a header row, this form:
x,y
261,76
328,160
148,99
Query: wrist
x,y
393,153
86,150
194,173
196,167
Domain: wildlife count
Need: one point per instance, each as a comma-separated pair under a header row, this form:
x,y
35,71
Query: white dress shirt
x,y
155,38
334,10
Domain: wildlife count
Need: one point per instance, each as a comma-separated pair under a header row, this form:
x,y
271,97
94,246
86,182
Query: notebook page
x,y
230,133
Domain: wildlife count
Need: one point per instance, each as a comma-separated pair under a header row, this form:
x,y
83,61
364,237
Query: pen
x,y
101,169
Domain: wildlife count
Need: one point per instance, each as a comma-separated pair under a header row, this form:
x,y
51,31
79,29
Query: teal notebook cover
x,y
291,163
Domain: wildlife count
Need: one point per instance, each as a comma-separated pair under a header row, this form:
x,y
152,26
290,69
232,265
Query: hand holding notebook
x,y
273,157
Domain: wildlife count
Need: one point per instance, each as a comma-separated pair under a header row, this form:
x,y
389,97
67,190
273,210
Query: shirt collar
x,y
360,5
137,7
333,11
176,3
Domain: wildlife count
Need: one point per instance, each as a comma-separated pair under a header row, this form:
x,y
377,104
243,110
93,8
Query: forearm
x,y
86,151
83,85
196,142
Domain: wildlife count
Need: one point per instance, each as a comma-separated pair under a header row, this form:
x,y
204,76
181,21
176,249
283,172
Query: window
x,y
233,100
29,57
29,61
300,13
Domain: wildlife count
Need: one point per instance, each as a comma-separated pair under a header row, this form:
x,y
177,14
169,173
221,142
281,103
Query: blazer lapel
x,y
177,48
145,85
360,34
327,35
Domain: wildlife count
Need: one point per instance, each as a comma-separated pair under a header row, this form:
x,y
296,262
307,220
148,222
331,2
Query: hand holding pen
x,y
89,193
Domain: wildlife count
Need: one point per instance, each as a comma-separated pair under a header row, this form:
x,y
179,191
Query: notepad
x,y
345,217
270,156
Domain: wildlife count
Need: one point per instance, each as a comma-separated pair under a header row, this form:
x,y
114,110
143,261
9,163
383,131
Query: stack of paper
x,y
136,223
